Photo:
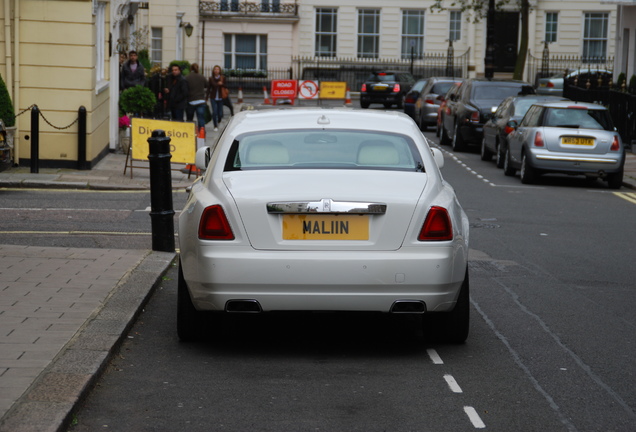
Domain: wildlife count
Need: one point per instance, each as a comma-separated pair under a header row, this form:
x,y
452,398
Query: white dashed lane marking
x,y
474,417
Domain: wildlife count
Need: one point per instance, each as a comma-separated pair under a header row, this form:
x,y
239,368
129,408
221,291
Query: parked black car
x,y
430,99
496,130
411,97
387,88
472,106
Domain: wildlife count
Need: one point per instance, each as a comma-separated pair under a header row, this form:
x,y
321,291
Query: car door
x,y
493,125
524,132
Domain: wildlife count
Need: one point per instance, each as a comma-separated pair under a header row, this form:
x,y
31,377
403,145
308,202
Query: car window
x,y
532,116
522,105
441,88
418,86
578,118
502,109
382,77
311,149
494,92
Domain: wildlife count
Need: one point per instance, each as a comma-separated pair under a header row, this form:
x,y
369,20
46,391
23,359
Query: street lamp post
x,y
489,60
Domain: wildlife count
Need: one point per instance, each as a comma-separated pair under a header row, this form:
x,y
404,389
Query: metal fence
x,y
551,65
622,107
353,71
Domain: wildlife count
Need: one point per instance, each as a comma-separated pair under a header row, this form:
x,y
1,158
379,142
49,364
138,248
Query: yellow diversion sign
x,y
183,138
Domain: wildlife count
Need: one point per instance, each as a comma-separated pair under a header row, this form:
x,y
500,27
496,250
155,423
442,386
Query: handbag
x,y
225,93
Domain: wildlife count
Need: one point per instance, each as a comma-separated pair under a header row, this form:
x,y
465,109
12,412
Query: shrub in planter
x,y
7,114
137,100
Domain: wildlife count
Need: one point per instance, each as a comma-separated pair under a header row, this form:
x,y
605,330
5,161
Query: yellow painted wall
x,y
57,58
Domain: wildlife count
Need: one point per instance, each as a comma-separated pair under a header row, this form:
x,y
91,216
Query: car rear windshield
x,y
311,149
494,92
441,87
383,77
579,118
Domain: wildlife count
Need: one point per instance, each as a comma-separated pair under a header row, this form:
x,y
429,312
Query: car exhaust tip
x,y
408,306
243,306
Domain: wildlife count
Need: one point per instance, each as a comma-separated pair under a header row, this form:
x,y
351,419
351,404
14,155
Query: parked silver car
x,y
565,137
553,86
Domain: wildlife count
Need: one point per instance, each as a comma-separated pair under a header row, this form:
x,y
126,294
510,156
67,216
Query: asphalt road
x,y
551,345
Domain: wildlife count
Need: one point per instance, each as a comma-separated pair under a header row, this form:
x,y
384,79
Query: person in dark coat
x,y
132,72
217,93
197,92
176,92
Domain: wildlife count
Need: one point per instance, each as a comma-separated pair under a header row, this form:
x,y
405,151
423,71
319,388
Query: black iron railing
x,y
244,7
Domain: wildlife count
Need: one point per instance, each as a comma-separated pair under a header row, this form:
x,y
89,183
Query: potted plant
x,y
137,101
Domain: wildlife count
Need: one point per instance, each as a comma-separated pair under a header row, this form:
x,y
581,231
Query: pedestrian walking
x,y
197,91
176,93
132,72
217,92
156,84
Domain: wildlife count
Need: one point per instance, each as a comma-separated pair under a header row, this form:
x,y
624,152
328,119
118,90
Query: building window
x,y
232,5
551,26
156,45
412,33
595,37
368,33
100,41
270,5
326,32
245,51
455,26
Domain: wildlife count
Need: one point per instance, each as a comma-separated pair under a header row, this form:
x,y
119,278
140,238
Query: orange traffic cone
x,y
240,95
348,98
266,97
201,132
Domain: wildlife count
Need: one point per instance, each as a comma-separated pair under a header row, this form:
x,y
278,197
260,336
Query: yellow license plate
x,y
577,141
381,87
325,227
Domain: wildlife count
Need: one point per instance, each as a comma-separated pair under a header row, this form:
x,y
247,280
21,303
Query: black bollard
x,y
35,140
161,209
81,139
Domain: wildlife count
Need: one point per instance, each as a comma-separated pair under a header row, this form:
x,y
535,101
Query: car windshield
x,y
578,118
383,77
441,87
337,149
494,92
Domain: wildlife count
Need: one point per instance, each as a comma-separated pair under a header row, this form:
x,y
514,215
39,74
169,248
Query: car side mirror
x,y
202,158
438,156
513,124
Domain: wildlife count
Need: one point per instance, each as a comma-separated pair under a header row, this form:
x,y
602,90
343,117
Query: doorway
x,y
506,41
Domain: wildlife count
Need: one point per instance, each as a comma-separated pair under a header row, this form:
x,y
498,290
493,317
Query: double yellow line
x,y
628,196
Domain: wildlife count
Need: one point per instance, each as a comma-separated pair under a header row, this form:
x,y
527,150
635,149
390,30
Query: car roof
x,y
295,118
571,104
496,81
540,98
446,79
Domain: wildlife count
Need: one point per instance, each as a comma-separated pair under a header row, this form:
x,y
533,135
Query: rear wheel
x,y
452,327
528,174
364,104
615,180
458,141
387,105
508,169
500,155
189,320
443,137
486,154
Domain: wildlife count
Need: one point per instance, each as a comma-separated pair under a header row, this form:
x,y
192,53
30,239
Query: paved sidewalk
x,y
63,311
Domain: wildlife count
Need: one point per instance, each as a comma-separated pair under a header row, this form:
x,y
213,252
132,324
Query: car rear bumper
x,y
472,132
325,281
575,163
381,98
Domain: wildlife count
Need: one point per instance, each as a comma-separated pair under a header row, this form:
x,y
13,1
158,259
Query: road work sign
x,y
284,89
183,138
308,89
333,90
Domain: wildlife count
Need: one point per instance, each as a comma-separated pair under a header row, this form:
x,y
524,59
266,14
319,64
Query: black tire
x,y
508,169
615,180
486,155
499,155
190,321
528,174
438,130
387,105
452,327
364,104
443,137
458,141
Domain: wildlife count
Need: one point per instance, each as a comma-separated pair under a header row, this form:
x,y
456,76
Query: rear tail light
x,y
396,88
474,117
364,88
409,99
437,226
214,224
550,84
430,101
538,140
508,130
616,146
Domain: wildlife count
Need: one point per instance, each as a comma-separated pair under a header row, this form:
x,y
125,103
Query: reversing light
x,y
538,140
396,88
616,145
214,224
437,226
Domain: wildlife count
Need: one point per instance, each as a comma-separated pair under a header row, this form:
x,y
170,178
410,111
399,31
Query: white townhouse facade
x,y
269,33
625,51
